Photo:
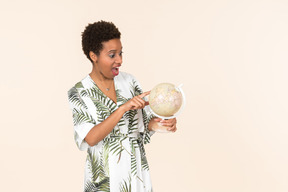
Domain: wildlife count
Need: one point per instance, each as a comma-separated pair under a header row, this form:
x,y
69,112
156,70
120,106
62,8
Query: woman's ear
x,y
93,56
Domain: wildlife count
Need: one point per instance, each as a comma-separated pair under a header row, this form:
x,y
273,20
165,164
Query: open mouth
x,y
115,70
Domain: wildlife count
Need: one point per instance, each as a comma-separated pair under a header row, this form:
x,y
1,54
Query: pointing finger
x,y
144,94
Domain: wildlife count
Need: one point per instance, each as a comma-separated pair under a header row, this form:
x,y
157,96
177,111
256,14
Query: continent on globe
x,y
165,99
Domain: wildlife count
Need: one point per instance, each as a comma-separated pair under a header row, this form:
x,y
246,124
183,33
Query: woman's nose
x,y
118,59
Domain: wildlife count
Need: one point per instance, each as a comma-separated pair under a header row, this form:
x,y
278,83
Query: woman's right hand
x,y
136,102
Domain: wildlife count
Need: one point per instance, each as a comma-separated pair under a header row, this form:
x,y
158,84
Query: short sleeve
x,y
82,119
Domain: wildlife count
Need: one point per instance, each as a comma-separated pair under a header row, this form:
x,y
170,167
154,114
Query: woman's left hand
x,y
170,124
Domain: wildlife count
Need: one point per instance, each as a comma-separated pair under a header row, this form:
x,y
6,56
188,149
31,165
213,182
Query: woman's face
x,y
109,59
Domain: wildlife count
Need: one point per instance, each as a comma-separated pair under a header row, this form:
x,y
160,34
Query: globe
x,y
165,101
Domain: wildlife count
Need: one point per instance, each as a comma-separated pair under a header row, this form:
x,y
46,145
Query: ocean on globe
x,y
165,99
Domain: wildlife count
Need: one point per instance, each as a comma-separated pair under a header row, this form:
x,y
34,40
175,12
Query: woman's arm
x,y
100,131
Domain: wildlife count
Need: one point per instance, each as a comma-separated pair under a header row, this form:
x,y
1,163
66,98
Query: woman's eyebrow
x,y
114,50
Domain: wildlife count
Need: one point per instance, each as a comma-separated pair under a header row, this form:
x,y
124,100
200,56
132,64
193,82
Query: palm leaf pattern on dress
x,y
125,186
105,156
134,144
116,146
146,118
114,143
79,116
99,181
122,100
144,162
136,90
130,115
73,97
133,122
105,106
146,136
146,121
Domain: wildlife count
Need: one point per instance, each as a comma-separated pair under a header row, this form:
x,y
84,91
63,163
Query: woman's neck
x,y
96,75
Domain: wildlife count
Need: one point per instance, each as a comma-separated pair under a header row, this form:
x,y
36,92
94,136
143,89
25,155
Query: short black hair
x,y
95,34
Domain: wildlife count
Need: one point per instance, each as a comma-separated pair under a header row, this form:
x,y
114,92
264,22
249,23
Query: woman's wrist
x,y
122,109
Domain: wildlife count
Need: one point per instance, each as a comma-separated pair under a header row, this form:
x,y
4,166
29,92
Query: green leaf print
x,y
133,122
99,180
120,98
95,167
134,145
105,156
116,146
80,116
102,186
144,163
103,111
133,165
124,143
146,120
136,90
125,186
73,97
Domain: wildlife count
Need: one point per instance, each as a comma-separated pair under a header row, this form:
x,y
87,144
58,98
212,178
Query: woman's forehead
x,y
113,44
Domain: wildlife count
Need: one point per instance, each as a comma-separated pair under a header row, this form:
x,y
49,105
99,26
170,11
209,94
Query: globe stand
x,y
163,129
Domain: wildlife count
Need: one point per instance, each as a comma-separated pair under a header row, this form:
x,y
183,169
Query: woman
x,y
111,121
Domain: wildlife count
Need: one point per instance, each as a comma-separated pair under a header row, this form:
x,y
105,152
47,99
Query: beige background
x,y
230,55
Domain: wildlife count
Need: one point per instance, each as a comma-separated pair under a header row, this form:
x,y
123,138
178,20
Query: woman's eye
x,y
121,53
112,55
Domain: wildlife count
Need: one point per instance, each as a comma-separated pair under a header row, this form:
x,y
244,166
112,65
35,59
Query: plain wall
x,y
231,57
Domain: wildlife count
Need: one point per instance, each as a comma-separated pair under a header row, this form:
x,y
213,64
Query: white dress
x,y
117,163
